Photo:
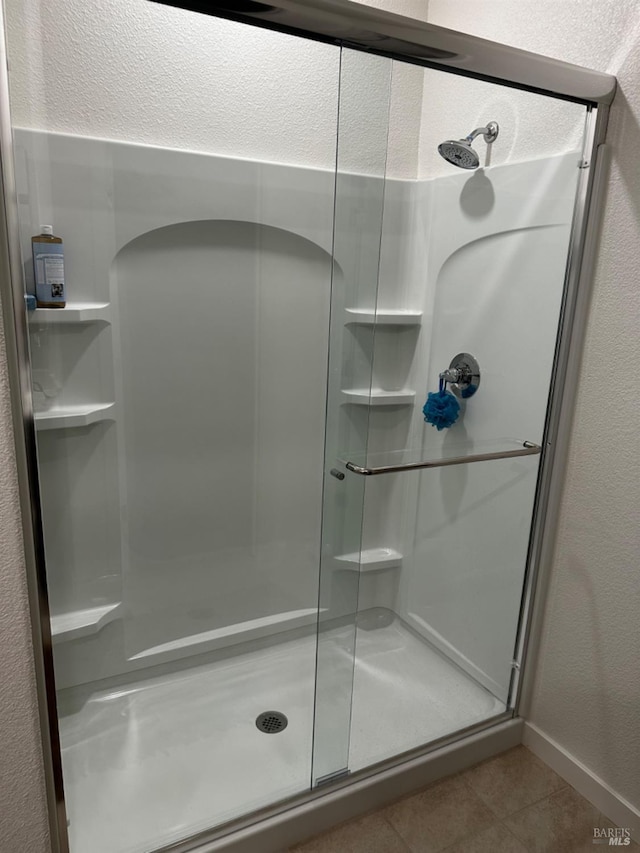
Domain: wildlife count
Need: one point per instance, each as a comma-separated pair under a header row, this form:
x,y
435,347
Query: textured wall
x,y
531,126
143,72
149,73
412,8
23,818
587,694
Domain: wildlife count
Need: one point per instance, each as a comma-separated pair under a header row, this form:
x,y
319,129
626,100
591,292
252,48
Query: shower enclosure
x,y
261,572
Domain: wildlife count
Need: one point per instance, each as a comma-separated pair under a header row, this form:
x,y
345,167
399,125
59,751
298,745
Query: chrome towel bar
x,y
528,449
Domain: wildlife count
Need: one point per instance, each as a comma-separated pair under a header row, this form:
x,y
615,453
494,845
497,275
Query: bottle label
x,y
48,261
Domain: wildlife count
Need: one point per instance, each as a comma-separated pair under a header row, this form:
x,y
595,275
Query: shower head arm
x,y
490,133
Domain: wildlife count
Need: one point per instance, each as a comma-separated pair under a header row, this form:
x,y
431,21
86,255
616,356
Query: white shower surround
x,y
104,196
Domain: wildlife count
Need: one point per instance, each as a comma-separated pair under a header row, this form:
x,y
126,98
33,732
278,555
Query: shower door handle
x,y
529,448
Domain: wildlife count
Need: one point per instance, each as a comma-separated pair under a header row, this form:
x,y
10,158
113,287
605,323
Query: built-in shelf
x,y
379,397
83,623
372,559
383,317
74,416
74,312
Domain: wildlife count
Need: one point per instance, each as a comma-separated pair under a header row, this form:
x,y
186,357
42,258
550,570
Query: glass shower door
x,y
179,400
359,200
420,610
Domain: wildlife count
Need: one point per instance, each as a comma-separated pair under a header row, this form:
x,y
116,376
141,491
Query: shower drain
x,y
271,722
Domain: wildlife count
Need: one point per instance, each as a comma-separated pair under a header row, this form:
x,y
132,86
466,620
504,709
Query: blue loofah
x,y
441,409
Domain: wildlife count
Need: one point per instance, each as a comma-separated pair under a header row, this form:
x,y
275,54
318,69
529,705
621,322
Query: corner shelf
x,y
83,623
369,317
372,559
74,312
67,417
378,397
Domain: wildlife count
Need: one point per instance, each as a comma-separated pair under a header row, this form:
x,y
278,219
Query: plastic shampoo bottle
x,y
48,269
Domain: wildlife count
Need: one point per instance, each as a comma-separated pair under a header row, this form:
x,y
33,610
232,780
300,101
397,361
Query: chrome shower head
x,y
459,152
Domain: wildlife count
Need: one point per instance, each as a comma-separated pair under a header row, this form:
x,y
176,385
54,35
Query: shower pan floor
x,y
167,756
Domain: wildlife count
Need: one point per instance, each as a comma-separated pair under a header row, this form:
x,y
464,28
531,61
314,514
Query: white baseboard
x,y
592,788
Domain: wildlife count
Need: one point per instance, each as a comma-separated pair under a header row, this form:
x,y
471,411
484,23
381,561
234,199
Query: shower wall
x,y
162,555
481,257
255,95
242,533
496,262
210,559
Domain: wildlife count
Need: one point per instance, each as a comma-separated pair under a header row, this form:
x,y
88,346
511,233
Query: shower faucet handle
x,y
451,374
463,375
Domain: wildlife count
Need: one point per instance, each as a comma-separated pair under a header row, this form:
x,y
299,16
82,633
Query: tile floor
x,y
512,803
